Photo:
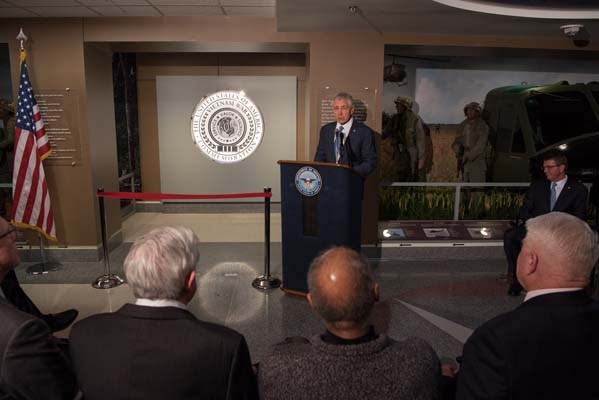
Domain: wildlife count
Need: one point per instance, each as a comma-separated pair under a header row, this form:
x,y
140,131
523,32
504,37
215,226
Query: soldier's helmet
x,y
7,106
405,101
474,106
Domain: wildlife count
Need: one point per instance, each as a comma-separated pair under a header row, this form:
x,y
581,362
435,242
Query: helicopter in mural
x,y
395,72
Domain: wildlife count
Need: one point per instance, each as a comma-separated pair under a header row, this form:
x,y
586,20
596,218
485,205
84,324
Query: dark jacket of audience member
x,y
548,347
32,366
159,353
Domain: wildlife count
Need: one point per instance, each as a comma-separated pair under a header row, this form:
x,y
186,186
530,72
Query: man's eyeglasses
x,y
11,231
550,166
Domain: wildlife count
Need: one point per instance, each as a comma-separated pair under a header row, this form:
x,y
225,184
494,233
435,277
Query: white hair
x,y
565,237
345,96
159,262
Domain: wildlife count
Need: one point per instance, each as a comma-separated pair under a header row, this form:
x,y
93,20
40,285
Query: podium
x,y
321,206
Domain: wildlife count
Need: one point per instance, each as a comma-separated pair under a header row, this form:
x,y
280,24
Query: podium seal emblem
x,y
227,126
308,181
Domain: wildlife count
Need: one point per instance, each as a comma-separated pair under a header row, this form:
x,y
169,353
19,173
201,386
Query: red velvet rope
x,y
168,196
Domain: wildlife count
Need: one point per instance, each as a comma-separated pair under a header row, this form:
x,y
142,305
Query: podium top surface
x,y
314,163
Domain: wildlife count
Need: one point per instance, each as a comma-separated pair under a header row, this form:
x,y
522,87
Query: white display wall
x,y
185,169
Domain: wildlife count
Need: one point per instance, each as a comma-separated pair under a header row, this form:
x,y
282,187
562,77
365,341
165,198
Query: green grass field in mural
x,y
429,203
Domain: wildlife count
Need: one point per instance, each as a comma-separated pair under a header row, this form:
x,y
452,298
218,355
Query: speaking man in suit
x,y
556,193
156,348
347,141
547,348
31,364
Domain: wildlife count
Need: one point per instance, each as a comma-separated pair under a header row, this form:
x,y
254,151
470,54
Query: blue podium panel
x,y
321,206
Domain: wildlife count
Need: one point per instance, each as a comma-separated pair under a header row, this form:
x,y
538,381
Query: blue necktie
x,y
338,143
553,196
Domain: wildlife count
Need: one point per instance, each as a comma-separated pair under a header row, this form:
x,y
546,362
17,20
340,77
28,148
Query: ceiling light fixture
x,y
524,10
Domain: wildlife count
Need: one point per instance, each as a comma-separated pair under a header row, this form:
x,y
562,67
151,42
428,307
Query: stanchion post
x,y
265,282
107,280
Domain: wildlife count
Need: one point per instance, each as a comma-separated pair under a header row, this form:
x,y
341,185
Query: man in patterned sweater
x,y
350,360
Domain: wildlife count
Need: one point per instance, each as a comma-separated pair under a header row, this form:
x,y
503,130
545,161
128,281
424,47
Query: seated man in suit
x,y
347,141
350,360
556,193
156,348
31,364
547,348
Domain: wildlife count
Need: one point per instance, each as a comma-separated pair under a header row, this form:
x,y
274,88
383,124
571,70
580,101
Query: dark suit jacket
x,y
16,296
31,365
572,199
547,348
150,353
360,147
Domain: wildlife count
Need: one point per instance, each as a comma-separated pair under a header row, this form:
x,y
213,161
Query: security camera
x,y
579,35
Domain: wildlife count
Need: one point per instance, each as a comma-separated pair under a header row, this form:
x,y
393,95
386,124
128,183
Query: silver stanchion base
x,y
266,282
108,281
43,268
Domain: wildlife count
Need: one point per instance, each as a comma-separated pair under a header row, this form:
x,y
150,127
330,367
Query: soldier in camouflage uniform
x,y
471,143
406,147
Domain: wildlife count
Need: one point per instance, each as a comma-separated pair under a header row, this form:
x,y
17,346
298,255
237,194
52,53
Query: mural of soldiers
x,y
407,143
470,145
7,138
428,152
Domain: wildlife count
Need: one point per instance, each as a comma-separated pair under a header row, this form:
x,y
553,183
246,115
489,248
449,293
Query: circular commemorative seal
x,y
227,126
308,181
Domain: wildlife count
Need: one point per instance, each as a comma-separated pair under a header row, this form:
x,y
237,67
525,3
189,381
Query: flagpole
x,y
22,38
30,125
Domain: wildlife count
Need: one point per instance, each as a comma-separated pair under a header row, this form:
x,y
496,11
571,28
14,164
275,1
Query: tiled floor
x,y
438,298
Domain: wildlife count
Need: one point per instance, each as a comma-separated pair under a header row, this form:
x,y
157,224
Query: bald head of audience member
x,y
559,251
342,291
161,265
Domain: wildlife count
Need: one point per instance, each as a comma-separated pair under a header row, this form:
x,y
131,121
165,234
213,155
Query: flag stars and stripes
x,y
31,201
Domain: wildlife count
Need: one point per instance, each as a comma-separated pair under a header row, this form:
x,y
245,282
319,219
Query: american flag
x,y
31,200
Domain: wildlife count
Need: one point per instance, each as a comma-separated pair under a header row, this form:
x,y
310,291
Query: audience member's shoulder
x,y
12,318
91,321
291,345
516,319
294,348
219,330
417,347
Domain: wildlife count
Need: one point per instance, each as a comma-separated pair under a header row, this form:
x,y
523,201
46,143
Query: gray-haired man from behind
x,y
155,348
548,347
350,360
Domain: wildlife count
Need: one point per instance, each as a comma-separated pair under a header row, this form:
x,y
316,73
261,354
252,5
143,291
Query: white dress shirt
x,y
160,303
346,128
